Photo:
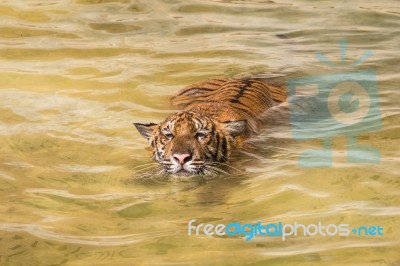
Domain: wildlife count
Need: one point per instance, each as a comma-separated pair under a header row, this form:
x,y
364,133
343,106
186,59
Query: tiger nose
x,y
182,158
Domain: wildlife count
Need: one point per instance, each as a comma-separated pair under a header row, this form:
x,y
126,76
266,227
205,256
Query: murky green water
x,y
76,74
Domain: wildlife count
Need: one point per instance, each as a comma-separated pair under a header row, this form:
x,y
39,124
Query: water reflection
x,y
74,77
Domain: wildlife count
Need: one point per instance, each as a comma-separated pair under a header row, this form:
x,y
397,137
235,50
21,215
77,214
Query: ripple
x,y
5,176
56,54
114,27
16,32
356,207
97,197
68,111
298,250
294,187
19,164
84,70
115,240
86,168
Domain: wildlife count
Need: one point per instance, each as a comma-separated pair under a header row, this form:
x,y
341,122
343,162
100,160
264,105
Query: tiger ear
x,y
235,128
145,129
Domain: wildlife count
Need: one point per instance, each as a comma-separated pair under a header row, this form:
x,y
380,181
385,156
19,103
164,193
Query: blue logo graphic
x,y
338,104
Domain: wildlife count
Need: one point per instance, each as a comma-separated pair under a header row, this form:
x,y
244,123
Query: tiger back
x,y
226,99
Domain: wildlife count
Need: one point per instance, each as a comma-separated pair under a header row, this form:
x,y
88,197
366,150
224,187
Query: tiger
x,y
217,116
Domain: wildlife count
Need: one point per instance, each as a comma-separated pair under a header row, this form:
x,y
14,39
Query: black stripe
x,y
155,141
196,88
241,90
263,88
160,134
198,120
156,148
214,155
263,84
222,80
162,141
214,84
212,130
212,92
224,149
217,139
207,152
243,110
208,142
256,100
277,91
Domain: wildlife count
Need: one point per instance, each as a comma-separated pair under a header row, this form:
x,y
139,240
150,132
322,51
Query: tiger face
x,y
190,143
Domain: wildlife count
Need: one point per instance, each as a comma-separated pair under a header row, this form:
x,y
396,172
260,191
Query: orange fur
x,y
218,114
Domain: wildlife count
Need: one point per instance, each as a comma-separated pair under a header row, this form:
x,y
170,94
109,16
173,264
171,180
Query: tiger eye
x,y
201,135
169,135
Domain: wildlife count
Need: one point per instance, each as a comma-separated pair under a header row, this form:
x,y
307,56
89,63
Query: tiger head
x,y
190,143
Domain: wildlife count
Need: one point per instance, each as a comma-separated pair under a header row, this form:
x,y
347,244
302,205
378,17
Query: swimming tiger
x,y
218,115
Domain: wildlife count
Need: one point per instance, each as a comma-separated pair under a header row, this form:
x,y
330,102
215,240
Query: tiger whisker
x,y
148,171
209,167
210,172
149,167
205,172
224,164
213,173
160,173
144,174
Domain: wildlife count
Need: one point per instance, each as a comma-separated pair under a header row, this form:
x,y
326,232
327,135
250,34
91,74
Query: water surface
x,y
76,74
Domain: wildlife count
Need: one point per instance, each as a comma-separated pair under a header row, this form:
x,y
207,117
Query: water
x,y
76,74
